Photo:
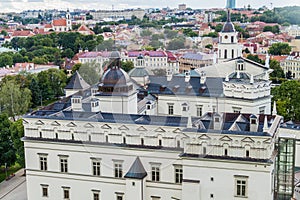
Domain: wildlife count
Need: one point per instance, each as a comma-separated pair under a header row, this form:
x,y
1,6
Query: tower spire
x,y
228,15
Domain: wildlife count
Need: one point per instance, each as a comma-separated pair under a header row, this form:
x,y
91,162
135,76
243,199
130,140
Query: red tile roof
x,y
59,22
25,33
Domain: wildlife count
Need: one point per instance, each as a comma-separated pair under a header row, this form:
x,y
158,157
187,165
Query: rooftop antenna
x,y
112,7
271,4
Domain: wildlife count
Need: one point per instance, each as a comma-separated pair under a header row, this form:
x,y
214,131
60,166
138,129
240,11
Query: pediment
x,y
159,129
124,128
88,125
141,128
71,124
204,137
267,141
55,123
39,122
225,138
177,130
248,139
105,126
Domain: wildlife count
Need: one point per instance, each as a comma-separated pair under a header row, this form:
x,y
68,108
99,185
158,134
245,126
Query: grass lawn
x,y
10,170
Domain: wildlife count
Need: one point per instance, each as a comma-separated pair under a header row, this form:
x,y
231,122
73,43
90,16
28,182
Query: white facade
x,y
202,177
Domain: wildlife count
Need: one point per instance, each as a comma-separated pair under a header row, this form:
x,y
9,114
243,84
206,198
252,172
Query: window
x,y
44,190
96,168
178,174
120,196
241,186
63,164
66,193
118,169
247,153
232,53
226,152
43,162
96,194
142,141
155,172
225,53
253,121
204,150
199,111
171,109
159,142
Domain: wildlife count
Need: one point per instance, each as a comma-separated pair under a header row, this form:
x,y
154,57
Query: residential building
x,y
191,61
116,15
291,65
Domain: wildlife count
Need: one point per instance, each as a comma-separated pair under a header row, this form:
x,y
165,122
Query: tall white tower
x,y
228,41
68,19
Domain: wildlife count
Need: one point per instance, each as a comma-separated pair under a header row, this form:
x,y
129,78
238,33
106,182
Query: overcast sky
x,y
19,5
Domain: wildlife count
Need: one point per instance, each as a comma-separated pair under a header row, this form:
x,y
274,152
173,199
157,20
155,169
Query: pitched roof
x,y
84,28
77,82
136,170
59,22
25,33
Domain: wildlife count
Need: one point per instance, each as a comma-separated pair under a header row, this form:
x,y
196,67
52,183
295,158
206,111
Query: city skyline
x,y
20,5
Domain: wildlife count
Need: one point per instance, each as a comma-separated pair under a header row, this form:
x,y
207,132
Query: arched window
x,y
225,53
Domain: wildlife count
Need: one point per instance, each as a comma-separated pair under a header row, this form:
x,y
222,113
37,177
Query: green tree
x,y
17,132
170,34
90,72
287,97
127,66
68,53
280,49
146,33
6,60
278,72
106,45
255,58
7,151
14,100
177,43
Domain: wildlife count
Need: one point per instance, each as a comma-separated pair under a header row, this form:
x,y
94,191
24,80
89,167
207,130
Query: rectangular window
x,y
241,187
199,111
171,109
155,173
178,174
43,162
44,190
66,193
118,170
96,196
63,164
119,196
96,168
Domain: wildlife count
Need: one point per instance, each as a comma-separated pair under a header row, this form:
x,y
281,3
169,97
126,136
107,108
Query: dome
x,y
115,81
114,55
228,27
115,76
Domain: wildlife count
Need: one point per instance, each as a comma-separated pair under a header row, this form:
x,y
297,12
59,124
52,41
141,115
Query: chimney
x,y
253,123
187,76
76,102
95,105
202,77
217,121
169,75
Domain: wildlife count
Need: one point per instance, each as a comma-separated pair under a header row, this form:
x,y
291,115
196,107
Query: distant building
x,y
116,15
182,7
194,60
291,65
230,4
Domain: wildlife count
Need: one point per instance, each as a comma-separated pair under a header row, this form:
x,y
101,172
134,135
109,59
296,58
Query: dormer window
x,y
217,119
253,121
240,65
185,107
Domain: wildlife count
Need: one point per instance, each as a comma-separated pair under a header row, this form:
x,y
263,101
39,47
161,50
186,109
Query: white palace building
x,y
202,135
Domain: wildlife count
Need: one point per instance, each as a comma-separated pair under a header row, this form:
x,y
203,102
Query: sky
x,y
19,5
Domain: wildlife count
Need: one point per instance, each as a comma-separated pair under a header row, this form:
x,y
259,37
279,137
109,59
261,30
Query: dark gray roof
x,y
195,56
228,26
136,170
139,72
213,86
77,82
